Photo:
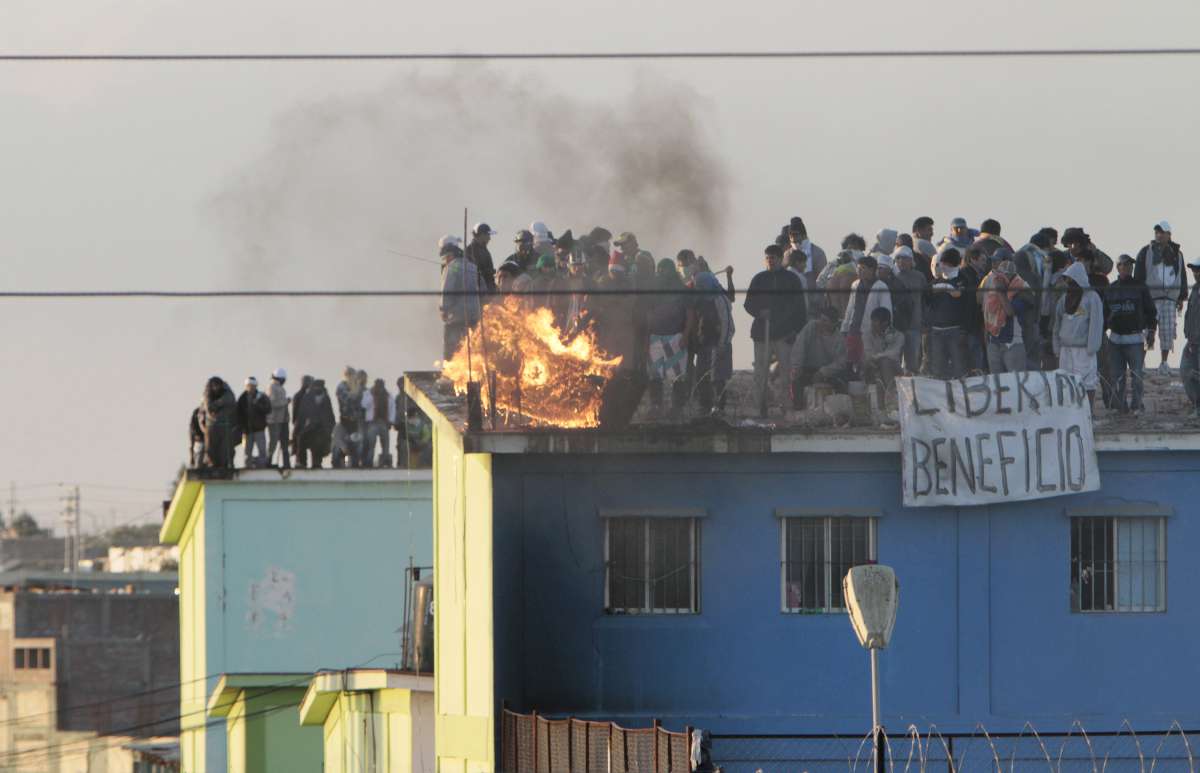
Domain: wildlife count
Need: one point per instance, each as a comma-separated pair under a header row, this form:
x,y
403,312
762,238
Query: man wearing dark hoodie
x,y
297,404
219,410
314,433
975,267
1035,267
810,256
1131,317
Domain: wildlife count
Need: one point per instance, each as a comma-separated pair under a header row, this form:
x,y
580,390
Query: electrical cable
x,y
558,56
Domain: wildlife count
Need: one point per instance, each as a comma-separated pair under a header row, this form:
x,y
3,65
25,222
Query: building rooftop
x,y
29,580
1166,424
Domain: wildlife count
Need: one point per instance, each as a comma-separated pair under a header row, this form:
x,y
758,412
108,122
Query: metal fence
x,y
535,744
1169,750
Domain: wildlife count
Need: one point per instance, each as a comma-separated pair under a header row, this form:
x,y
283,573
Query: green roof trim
x,y
230,686
180,510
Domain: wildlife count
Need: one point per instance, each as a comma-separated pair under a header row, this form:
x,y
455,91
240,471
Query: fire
x,y
538,375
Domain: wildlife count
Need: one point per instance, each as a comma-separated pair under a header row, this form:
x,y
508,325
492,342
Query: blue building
x,y
693,575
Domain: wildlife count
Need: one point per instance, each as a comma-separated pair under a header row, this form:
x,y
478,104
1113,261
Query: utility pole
x,y
68,530
76,542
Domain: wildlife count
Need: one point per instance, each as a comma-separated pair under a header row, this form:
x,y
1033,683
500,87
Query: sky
x,y
314,175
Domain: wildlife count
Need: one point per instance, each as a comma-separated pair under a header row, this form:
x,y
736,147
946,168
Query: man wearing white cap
x,y
1160,266
460,303
1189,363
277,422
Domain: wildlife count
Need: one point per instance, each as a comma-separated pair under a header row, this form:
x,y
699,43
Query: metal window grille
x,y
1118,564
816,553
651,565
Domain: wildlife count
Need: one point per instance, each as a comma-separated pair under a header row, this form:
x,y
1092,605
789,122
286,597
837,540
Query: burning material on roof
x,y
528,372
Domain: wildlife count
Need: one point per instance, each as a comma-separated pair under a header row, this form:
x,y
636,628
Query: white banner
x,y
998,438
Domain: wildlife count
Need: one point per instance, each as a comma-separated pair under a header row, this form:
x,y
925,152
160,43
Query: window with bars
x,y
651,565
816,555
1118,564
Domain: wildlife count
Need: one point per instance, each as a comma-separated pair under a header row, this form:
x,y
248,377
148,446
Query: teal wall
x,y
305,575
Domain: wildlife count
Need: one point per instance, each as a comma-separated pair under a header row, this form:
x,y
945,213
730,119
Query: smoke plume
x,y
348,181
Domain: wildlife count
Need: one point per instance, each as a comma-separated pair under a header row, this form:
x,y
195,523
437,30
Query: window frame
x,y
1112,526
827,535
647,518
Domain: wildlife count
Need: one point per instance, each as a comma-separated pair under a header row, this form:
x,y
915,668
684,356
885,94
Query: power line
x,y
458,56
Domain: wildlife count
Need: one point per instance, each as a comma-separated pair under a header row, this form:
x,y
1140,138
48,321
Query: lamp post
x,y
872,594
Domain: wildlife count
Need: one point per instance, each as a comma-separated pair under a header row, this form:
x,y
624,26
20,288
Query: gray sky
x,y
215,175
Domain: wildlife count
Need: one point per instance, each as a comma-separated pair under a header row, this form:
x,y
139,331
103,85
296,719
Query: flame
x,y
538,375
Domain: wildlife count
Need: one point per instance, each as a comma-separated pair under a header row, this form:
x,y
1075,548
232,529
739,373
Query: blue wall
x,y
308,575
984,633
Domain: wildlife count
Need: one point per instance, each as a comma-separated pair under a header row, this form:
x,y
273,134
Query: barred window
x,y
651,565
1118,564
816,555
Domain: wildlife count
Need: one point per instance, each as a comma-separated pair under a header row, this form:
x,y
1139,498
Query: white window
x,y
1118,564
651,565
816,554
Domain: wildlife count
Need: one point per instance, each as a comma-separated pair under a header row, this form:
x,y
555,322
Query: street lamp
x,y
872,594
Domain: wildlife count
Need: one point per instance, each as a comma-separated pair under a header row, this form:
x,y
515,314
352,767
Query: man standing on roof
x,y
922,235
277,423
908,307
626,248
460,304
867,293
1131,317
1035,267
253,408
297,406
314,426
1189,363
775,299
811,258
380,414
1079,328
525,257
989,238
218,412
477,253
1160,266
959,237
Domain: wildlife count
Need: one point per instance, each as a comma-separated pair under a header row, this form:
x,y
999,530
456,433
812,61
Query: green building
x,y
286,572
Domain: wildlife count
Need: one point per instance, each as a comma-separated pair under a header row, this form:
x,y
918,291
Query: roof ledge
x,y
325,687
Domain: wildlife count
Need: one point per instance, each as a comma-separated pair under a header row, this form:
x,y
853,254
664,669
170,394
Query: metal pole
x,y
876,735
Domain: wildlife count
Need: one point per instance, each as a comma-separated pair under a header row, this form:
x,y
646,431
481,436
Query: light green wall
x,y
374,731
463,639
264,734
289,575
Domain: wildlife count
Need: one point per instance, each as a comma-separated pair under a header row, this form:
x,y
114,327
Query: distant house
x,y
692,574
284,574
36,553
88,662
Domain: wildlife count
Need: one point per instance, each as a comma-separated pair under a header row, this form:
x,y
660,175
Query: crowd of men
x,y
272,427
911,304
